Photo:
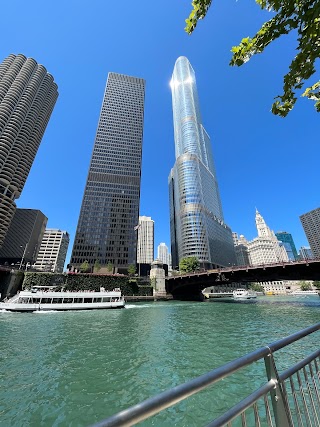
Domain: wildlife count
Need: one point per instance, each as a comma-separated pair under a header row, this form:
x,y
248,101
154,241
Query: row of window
x,y
33,300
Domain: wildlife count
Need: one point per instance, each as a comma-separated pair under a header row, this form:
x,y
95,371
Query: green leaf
x,y
300,16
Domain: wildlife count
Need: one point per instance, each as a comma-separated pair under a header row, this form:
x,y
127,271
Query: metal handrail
x,y
305,261
170,397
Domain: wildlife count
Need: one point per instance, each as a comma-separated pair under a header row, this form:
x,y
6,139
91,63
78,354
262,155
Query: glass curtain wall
x,y
196,217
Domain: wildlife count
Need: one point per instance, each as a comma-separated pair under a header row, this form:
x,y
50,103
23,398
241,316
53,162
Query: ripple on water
x,y
75,368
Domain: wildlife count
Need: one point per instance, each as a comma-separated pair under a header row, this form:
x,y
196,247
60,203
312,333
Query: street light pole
x,y
24,253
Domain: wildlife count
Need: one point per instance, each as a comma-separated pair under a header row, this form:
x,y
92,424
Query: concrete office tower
x,y
110,206
53,251
27,97
311,224
23,238
163,253
145,247
196,220
266,248
288,243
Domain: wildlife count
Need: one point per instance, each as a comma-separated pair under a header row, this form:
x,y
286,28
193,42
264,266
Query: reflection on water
x,y
306,301
76,368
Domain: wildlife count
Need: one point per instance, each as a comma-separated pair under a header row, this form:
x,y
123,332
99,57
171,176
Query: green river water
x,y
76,368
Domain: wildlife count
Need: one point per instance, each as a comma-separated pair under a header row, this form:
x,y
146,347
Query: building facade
x,y
197,225
27,97
110,207
145,249
53,251
276,287
266,248
311,224
288,243
163,253
305,253
241,249
23,238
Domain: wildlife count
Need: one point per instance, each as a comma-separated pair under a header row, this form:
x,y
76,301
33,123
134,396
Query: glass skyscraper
x,y
288,243
196,219
110,207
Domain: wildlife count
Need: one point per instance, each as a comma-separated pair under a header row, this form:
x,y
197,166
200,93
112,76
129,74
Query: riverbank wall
x,y
13,281
10,282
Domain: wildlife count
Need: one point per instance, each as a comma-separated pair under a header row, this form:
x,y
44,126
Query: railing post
x,y
280,406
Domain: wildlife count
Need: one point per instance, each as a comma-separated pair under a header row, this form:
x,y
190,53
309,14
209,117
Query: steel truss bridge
x,y
190,285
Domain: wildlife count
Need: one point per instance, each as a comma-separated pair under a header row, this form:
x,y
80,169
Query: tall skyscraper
x,y
145,240
23,239
163,253
110,206
311,224
27,97
53,251
288,243
196,219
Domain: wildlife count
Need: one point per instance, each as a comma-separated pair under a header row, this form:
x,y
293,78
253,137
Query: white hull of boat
x,y
304,293
30,301
59,307
243,294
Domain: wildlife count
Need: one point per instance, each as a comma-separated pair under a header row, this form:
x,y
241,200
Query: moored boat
x,y
45,299
243,294
304,293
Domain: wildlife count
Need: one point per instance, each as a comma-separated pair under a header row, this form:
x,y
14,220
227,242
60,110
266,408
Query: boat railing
x,y
286,399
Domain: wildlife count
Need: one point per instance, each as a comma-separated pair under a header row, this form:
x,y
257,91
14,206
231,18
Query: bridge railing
x,y
246,267
287,399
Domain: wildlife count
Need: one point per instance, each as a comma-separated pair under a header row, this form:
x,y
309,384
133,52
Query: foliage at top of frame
x,y
301,16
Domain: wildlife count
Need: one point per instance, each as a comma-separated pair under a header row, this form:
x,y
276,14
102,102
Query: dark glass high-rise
x,y
110,207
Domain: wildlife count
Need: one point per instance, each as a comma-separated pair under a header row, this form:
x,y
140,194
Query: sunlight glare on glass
x,y
188,80
174,83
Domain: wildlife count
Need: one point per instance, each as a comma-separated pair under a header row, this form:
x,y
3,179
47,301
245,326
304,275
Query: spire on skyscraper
x,y
196,218
262,228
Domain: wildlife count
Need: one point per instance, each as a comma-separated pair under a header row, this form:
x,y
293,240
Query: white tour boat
x,y
241,294
304,293
44,298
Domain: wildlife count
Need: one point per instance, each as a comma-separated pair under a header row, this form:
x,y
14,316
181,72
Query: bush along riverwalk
x,y
133,288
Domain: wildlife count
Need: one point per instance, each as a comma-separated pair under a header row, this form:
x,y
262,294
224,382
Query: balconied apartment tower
x,y
27,97
196,219
110,207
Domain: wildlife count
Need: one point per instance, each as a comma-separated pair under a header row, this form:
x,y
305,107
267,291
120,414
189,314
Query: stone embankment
x,y
11,281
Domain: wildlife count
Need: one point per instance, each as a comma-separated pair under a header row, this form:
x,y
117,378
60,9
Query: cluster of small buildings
x,y
110,230
270,248
28,244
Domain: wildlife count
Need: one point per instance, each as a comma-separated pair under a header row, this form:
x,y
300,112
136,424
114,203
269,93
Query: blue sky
x,y
262,160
